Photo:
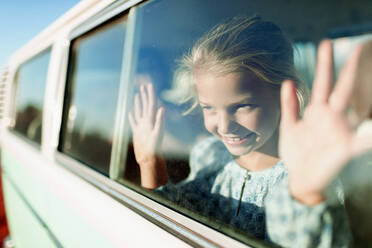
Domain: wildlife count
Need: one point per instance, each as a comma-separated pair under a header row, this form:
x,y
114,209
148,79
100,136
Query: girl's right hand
x,y
318,146
147,128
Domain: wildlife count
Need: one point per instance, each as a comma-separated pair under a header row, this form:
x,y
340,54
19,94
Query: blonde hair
x,y
237,45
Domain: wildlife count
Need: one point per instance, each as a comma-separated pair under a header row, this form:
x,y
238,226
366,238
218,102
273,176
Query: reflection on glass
x,y
31,80
221,188
161,45
93,84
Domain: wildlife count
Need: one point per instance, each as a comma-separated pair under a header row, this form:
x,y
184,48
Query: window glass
x,y
91,96
161,45
207,178
30,82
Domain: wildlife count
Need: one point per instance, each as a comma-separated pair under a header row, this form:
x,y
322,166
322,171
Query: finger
x,y
137,108
144,100
132,122
289,104
341,95
151,103
324,73
159,120
361,144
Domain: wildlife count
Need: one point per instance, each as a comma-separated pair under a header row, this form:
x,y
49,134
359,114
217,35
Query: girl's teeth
x,y
234,139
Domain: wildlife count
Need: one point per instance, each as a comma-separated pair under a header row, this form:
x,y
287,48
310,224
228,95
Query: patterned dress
x,y
257,202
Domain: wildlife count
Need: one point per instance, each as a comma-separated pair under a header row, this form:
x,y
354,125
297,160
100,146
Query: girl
x,y
242,75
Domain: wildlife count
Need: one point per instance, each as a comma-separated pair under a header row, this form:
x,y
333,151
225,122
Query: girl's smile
x,y
241,110
237,140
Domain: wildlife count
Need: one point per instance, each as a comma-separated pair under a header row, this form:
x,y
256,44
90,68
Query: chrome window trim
x,y
120,134
110,11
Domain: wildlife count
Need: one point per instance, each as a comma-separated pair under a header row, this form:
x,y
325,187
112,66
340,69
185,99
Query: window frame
x,y
68,84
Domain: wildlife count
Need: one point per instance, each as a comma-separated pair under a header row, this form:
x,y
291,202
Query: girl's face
x,y
239,109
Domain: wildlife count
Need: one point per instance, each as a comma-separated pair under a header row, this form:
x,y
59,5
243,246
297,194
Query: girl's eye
x,y
206,107
244,106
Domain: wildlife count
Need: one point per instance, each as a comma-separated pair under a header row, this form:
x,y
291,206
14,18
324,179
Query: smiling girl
x,y
264,170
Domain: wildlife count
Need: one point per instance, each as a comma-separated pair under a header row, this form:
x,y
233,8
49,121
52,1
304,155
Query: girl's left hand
x,y
146,122
317,147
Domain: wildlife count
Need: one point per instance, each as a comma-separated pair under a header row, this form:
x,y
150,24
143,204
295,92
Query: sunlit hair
x,y
237,45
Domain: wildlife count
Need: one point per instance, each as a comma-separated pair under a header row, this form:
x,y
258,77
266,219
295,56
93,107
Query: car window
x,y
92,94
186,145
30,81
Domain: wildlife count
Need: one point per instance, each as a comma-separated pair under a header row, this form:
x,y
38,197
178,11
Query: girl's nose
x,y
226,123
